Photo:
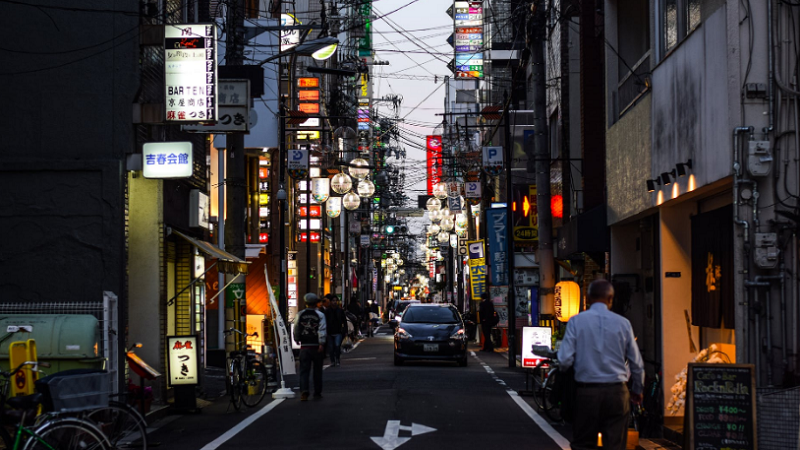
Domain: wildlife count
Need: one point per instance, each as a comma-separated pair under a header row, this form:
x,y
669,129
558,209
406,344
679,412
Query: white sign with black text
x,y
182,360
190,72
534,336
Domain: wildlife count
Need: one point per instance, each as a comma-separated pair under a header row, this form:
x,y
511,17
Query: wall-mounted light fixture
x,y
681,167
651,184
665,180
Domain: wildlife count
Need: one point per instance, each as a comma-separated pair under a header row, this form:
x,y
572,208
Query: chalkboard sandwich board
x,y
720,407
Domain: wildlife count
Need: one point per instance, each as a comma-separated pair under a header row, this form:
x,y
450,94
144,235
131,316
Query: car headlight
x,y
403,334
459,335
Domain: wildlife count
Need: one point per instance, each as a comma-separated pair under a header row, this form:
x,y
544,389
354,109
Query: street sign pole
x,y
512,319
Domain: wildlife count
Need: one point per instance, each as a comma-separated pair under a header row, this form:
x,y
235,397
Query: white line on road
x,y
242,425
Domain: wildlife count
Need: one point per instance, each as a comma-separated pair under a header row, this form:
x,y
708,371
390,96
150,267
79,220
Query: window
x,y
681,17
431,315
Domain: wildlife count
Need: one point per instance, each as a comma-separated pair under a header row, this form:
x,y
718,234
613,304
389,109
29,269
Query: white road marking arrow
x,y
391,436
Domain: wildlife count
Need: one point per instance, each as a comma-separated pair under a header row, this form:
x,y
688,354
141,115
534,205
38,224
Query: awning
x,y
226,262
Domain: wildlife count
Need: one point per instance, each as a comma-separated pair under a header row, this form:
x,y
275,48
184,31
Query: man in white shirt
x,y
599,342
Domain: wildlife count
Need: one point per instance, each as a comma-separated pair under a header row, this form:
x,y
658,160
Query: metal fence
x,y
778,415
106,313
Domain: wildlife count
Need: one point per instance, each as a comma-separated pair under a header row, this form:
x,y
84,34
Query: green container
x,y
66,341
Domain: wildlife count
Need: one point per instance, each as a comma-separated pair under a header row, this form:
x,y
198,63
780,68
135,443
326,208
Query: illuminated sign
x,y
289,38
309,108
434,161
303,237
167,160
314,122
314,224
183,367
190,72
304,135
311,95
308,82
316,211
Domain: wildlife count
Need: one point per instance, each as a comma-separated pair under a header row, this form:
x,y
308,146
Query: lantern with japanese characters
x,y
365,188
341,183
567,300
351,201
333,207
320,189
359,168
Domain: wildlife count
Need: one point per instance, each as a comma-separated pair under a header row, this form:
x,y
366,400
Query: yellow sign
x,y
477,257
308,135
477,281
526,216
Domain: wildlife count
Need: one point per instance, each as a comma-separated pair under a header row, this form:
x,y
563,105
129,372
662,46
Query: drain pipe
x,y
757,312
782,279
771,63
737,172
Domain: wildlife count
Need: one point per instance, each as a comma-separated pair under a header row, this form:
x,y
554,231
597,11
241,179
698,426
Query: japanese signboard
x,y
182,357
472,189
290,37
297,160
477,257
468,42
497,235
525,218
167,160
190,69
493,157
534,336
284,342
434,160
234,109
477,268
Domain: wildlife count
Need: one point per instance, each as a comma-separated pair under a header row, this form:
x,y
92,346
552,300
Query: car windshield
x,y
430,315
402,307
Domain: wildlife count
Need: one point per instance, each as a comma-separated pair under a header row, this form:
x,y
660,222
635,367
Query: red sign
x,y
434,146
315,236
263,172
309,108
263,238
307,82
316,211
309,96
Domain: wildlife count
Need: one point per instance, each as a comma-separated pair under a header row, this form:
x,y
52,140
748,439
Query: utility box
x,y
66,341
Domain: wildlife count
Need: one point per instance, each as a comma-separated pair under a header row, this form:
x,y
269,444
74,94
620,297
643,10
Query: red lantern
x,y
557,206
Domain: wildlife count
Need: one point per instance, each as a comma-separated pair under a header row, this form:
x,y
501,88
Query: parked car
x,y
396,314
430,332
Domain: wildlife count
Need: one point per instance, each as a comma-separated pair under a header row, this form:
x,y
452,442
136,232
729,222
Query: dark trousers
x,y
311,356
601,409
334,347
488,345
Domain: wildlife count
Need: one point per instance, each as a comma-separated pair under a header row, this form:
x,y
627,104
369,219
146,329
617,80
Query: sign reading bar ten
x,y
190,72
721,407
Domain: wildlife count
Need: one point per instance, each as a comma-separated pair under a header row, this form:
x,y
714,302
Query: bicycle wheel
x,y
67,434
121,424
236,384
538,387
254,384
552,405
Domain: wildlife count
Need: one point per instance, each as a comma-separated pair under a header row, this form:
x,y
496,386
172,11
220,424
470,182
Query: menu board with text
x,y
721,406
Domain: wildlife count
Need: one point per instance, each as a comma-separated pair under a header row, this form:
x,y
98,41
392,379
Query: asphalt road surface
x,y
368,403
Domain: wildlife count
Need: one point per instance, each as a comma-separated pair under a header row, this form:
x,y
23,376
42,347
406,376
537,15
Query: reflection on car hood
x,y
439,331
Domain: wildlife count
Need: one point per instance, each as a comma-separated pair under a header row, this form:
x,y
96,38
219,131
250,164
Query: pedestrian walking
x,y
598,342
355,309
310,332
337,327
488,321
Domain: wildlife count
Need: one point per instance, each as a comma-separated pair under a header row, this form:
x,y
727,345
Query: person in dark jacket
x,y
355,309
310,331
337,327
486,311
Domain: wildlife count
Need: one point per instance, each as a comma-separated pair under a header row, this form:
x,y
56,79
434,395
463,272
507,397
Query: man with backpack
x,y
310,331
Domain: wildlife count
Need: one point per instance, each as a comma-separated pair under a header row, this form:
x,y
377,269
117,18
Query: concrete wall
x,y
628,159
144,267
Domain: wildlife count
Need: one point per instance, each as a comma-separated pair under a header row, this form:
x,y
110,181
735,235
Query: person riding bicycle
x,y
310,331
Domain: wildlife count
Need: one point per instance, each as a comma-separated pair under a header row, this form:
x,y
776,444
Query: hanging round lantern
x,y
341,183
320,189
446,213
435,216
396,255
440,191
461,232
365,188
359,168
454,240
461,221
476,210
433,204
443,237
333,207
434,229
567,300
446,224
400,262
351,201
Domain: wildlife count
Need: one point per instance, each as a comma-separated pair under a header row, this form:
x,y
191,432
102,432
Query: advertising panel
x,y
183,367
167,160
534,336
190,72
434,160
497,236
289,38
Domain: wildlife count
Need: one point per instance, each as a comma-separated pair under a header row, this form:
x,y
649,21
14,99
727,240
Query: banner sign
x,y
234,109
535,336
190,72
435,169
497,235
183,367
284,343
167,160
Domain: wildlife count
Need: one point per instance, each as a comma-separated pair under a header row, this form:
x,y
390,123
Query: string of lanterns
x,y
343,184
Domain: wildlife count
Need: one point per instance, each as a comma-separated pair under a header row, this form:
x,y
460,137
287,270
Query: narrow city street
x,y
436,405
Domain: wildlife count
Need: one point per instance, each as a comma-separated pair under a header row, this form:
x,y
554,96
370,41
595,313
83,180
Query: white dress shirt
x,y
599,342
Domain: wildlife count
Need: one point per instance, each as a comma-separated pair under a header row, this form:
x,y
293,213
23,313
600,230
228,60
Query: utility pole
x,y
236,179
511,296
541,164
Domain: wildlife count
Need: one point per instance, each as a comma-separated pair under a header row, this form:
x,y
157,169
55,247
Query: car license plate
x,y
430,347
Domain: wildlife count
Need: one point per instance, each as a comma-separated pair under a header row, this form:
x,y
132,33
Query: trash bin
x,y
66,341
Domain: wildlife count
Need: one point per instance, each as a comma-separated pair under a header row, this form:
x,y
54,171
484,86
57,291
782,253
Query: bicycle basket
x,y
75,391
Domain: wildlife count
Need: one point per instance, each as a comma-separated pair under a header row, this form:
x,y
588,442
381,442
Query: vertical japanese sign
x,y
434,147
284,342
477,268
525,217
468,39
190,72
182,360
289,38
497,235
291,278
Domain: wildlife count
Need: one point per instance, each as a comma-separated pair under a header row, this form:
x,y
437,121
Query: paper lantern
x,y
434,229
320,189
446,213
433,204
435,216
359,168
333,207
341,183
443,237
476,210
365,188
461,221
440,191
567,300
446,224
351,201
454,240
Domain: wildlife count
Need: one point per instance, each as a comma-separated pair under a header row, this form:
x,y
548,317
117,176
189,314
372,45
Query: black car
x,y
430,331
396,314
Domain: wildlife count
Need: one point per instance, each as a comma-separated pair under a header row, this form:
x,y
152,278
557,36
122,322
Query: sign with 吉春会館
x,y
190,72
167,160
183,367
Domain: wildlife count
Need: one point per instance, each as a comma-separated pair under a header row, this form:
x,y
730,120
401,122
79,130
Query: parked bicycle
x,y
247,377
545,376
650,414
45,432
